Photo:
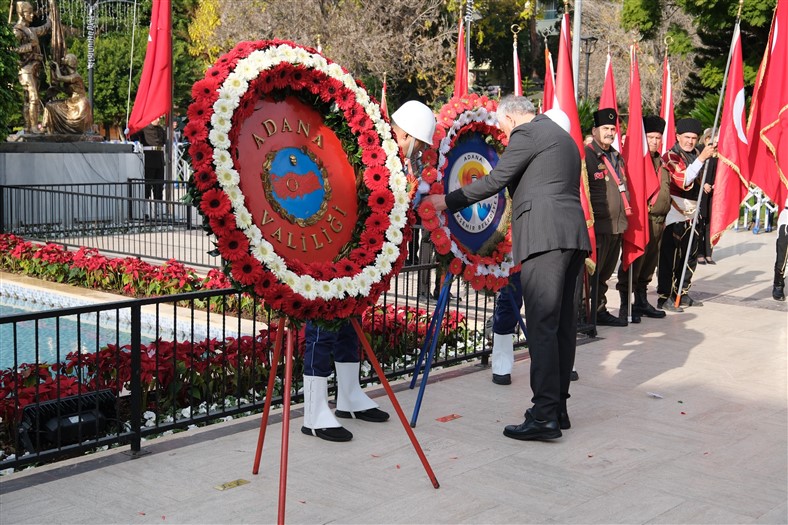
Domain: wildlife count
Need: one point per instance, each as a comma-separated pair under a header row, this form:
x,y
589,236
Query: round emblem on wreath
x,y
296,186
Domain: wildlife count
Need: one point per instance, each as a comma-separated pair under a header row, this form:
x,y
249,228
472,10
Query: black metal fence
x,y
80,378
116,218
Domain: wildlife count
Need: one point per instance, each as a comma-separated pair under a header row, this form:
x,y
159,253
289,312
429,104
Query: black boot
x,y
778,292
624,310
643,307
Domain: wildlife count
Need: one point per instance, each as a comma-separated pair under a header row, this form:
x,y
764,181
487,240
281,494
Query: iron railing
x,y
116,218
176,361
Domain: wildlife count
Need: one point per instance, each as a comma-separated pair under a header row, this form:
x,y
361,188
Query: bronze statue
x,y
31,62
72,115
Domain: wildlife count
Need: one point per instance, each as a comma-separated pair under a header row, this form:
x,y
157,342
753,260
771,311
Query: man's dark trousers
x,y
548,280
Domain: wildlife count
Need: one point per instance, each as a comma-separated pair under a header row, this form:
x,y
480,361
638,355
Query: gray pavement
x,y
679,420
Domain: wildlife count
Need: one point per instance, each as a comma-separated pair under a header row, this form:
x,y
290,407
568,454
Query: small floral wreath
x,y
467,114
222,101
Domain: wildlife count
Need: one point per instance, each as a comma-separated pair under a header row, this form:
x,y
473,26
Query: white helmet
x,y
415,119
560,118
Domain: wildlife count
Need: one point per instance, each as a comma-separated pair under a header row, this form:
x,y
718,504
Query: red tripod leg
x,y
385,382
286,424
280,331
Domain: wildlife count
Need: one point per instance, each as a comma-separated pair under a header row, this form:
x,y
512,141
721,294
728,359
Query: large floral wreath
x,y
467,114
222,101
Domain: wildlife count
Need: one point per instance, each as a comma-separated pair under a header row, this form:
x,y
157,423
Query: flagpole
x,y
168,175
706,164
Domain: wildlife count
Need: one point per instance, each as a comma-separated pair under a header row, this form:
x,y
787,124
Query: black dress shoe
x,y
670,306
373,415
648,310
533,429
502,379
563,421
778,293
605,318
574,376
701,260
329,434
709,260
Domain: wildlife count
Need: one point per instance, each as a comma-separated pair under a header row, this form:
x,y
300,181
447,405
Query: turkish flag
x,y
642,182
666,112
548,99
730,182
565,101
767,131
154,94
608,98
461,71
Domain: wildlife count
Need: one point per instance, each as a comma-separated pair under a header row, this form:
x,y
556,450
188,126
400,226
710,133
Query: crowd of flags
x,y
755,153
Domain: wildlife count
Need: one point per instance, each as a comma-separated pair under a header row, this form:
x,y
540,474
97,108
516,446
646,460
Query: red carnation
x,y
246,270
371,240
478,282
429,175
373,156
436,188
233,245
376,178
281,75
381,201
215,203
455,266
201,154
222,225
204,180
378,222
199,112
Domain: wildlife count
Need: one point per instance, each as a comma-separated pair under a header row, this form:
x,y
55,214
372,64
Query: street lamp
x,y
589,44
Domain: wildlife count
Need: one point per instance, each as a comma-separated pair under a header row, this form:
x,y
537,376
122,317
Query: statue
x,y
73,115
31,62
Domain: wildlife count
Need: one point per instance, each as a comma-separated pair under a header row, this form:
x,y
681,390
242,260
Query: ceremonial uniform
x,y
153,139
778,291
609,201
683,168
643,267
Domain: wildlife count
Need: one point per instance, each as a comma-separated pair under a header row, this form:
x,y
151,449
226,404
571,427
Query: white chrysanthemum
x,y
386,266
221,158
327,289
290,279
285,53
346,285
443,149
243,219
234,194
398,220
490,119
390,147
394,235
219,139
221,123
463,119
306,286
236,82
224,108
393,163
362,97
262,251
276,264
401,198
399,183
372,273
254,234
246,70
301,55
227,177
390,251
364,284
401,209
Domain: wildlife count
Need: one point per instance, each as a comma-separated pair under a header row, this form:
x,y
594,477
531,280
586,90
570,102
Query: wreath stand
x,y
431,339
367,349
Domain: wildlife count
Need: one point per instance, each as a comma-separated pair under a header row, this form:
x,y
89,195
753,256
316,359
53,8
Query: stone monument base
x,y
54,138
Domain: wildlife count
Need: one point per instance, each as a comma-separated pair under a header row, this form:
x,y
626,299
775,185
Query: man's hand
x,y
708,152
439,201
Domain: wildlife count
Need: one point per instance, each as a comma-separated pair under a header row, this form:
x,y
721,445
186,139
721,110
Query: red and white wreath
x,y
466,114
221,102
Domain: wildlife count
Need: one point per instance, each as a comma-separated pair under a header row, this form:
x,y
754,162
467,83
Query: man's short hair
x,y
513,105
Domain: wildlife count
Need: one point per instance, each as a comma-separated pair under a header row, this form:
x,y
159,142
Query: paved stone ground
x,y
680,420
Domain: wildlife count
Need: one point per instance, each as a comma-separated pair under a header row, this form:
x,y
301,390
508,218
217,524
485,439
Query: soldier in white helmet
x,y
413,125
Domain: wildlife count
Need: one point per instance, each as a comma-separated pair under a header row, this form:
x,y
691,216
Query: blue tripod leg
x,y
431,329
440,311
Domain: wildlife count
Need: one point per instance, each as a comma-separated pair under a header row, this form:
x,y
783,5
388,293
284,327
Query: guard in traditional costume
x,y
683,163
658,205
607,184
413,125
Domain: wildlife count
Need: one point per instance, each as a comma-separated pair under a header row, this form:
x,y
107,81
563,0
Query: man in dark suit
x,y
541,169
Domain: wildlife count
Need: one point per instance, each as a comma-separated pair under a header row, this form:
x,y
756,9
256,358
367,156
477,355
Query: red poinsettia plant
x,y
222,102
460,117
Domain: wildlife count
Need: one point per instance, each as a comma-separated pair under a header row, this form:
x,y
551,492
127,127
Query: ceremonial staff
x,y
706,165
